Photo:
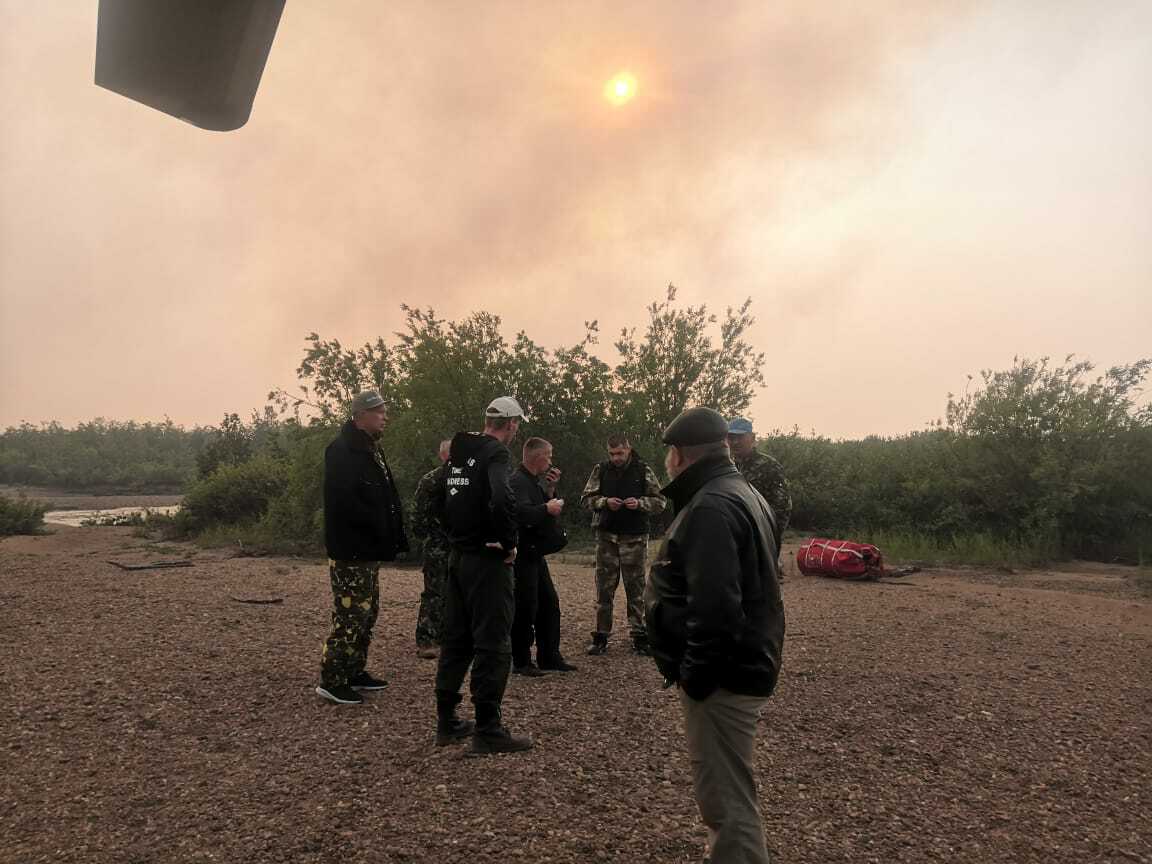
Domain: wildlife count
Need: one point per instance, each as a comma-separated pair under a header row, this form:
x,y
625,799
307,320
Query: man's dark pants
x,y
537,613
478,609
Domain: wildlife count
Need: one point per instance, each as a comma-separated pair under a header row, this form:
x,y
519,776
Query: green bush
x,y
21,516
233,495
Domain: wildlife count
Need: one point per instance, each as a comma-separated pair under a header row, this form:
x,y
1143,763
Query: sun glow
x,y
621,89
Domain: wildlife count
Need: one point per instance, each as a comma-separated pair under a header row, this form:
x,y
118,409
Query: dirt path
x,y
962,716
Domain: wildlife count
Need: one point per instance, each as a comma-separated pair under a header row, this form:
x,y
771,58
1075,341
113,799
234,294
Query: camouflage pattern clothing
x,y
355,606
620,555
428,523
651,502
767,477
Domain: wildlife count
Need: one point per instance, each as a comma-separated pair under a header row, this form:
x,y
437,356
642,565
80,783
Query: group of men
x,y
709,612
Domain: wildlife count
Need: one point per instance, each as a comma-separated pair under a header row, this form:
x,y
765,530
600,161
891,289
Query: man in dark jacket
x,y
480,514
622,493
537,603
716,624
363,525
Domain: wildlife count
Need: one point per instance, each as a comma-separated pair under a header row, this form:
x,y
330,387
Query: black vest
x,y
626,482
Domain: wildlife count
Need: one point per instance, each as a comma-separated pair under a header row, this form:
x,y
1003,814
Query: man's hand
x,y
632,503
511,552
553,476
614,503
555,506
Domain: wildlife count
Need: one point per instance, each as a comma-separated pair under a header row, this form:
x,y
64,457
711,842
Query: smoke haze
x,y
908,193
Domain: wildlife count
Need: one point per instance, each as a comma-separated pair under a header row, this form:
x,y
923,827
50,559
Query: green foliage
x,y
1040,460
100,454
21,516
233,494
677,365
977,549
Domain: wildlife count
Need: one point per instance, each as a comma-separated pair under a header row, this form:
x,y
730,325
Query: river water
x,y
75,518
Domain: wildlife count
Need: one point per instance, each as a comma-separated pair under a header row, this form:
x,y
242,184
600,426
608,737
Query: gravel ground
x,y
953,716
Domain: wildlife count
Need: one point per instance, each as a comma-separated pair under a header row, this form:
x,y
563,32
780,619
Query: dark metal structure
x,y
199,60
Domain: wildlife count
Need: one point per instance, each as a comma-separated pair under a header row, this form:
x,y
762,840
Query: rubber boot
x,y
449,727
599,644
491,735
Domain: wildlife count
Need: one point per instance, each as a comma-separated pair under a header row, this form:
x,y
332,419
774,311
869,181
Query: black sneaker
x,y
451,731
341,695
641,649
558,665
499,740
365,681
528,670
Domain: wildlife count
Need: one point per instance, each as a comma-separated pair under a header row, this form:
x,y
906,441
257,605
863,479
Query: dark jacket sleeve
x,y
342,491
714,612
529,514
503,500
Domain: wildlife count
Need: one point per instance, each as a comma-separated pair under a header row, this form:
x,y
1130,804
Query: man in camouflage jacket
x,y
622,493
428,524
764,473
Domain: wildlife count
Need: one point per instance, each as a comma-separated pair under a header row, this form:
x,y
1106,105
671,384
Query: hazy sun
x,y
620,89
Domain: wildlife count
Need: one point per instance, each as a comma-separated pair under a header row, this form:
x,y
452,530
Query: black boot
x,y
640,644
599,644
449,727
491,735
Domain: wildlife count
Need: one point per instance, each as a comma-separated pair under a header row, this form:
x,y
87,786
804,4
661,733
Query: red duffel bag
x,y
840,559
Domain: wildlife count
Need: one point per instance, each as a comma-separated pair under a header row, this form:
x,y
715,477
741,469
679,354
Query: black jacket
x,y
540,531
712,605
480,507
363,518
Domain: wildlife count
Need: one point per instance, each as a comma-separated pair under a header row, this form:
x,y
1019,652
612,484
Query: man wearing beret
x,y
762,471
363,525
716,625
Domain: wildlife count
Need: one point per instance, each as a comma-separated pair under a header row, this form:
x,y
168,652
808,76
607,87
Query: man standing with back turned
x,y
480,513
716,623
363,525
622,493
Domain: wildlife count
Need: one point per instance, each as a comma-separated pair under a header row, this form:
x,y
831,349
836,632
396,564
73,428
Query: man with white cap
x,y
479,605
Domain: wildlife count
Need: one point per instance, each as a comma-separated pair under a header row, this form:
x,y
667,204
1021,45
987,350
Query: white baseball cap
x,y
504,407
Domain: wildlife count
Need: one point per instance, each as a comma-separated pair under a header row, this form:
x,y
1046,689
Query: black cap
x,y
696,426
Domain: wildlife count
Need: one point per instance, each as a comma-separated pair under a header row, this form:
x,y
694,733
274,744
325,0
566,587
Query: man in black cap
x,y
363,525
479,604
716,625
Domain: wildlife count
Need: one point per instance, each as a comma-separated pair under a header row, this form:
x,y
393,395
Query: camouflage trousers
x,y
430,619
620,556
355,606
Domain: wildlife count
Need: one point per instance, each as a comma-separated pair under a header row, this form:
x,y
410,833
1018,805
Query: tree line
x,y
1046,456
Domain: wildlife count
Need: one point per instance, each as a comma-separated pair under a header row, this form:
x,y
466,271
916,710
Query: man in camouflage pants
x,y
622,493
363,525
428,524
764,473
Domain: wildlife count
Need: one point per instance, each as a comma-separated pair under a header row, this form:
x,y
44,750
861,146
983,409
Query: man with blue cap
x,y
764,473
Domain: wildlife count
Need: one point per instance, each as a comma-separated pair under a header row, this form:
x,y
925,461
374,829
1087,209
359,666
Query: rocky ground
x,y
149,716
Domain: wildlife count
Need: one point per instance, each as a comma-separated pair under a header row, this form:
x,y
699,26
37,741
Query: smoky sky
x,y
908,191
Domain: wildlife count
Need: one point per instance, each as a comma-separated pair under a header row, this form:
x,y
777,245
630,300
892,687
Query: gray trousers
x,y
721,733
